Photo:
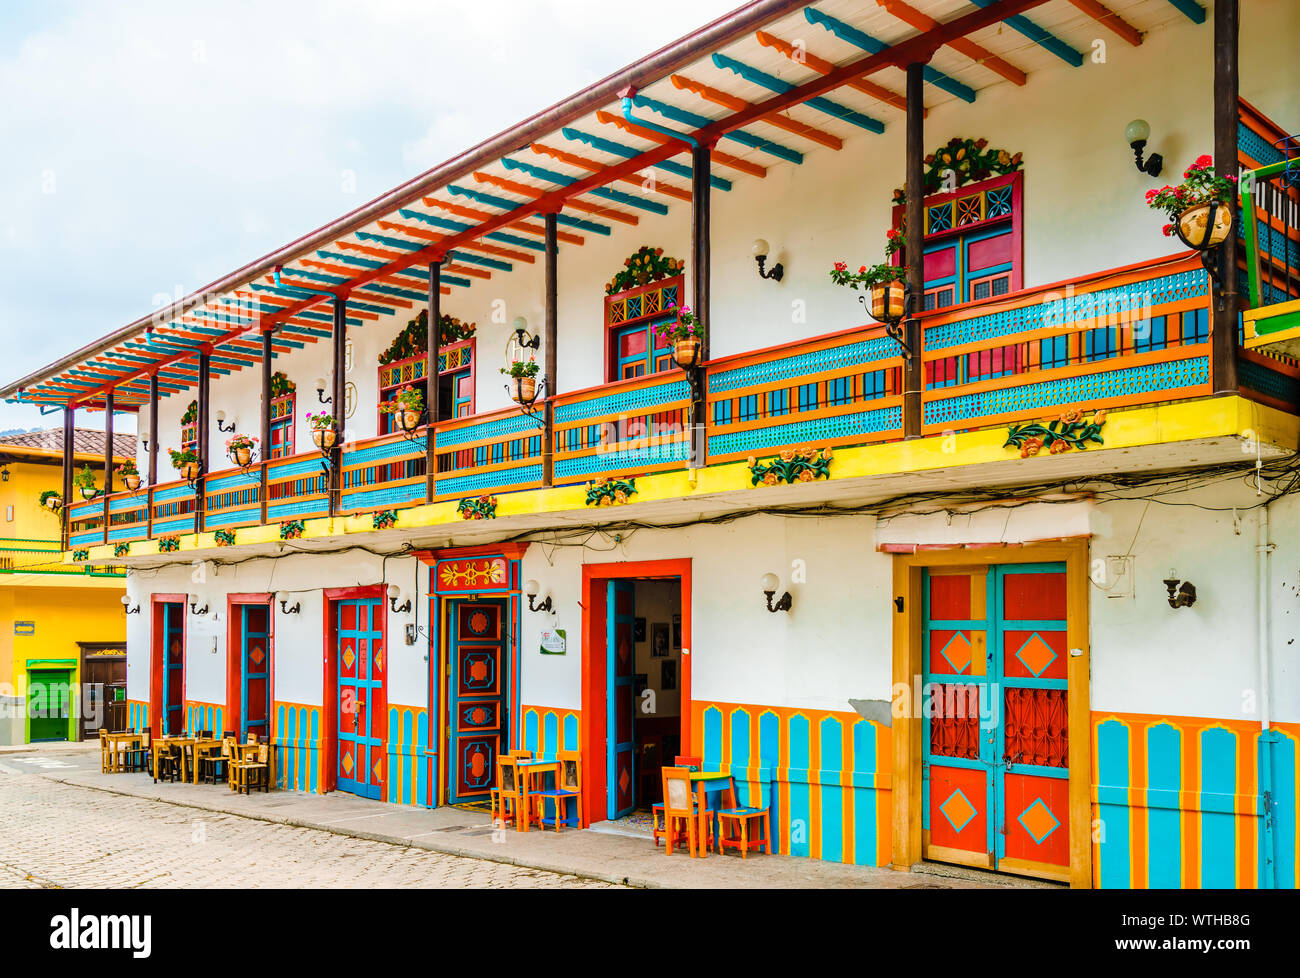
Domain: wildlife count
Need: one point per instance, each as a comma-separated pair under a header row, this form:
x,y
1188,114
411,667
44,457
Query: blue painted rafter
x,y
820,103
860,39
288,292
741,136
1194,11
1040,36
628,152
409,274
507,205
564,180
447,224
377,288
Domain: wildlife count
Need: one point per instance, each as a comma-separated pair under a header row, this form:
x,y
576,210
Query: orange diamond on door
x,y
1036,655
623,781
256,656
1039,821
349,656
957,652
958,810
347,764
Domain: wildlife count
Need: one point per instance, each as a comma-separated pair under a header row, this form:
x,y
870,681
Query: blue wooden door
x,y
255,683
173,679
995,781
621,699
478,687
361,706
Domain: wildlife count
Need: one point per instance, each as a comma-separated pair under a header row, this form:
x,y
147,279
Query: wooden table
x,y
181,742
704,782
528,769
202,747
118,743
248,752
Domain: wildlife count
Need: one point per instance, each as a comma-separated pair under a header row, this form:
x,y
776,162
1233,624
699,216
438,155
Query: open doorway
x,y
636,689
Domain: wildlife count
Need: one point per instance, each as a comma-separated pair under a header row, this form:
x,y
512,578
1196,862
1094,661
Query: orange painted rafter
x,y
511,223
424,234
726,159
1109,19
282,308
582,163
525,190
726,100
383,254
962,45
824,67
375,298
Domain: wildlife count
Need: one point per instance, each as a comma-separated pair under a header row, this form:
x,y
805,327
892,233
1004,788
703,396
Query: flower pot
x,y
409,420
524,389
1193,222
88,492
54,503
241,456
887,301
189,471
324,437
132,482
686,352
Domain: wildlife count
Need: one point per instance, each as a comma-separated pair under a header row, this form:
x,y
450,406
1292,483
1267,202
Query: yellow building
x,y
58,622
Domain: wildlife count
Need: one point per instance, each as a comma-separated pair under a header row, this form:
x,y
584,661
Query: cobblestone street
x,y
59,835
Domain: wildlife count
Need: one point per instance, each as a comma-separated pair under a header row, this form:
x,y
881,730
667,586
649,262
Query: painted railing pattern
x,y
1194,802
296,488
384,473
86,523
497,452
128,516
1132,336
232,497
628,427
825,776
172,508
838,390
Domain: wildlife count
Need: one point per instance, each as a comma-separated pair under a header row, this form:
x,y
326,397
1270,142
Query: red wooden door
x,y
477,704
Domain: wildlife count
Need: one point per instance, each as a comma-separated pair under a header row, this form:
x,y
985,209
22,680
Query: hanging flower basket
x,y
1205,225
189,471
186,462
888,301
1200,208
523,390
323,433
52,500
132,481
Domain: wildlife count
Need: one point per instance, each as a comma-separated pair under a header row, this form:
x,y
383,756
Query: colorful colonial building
x,y
1005,579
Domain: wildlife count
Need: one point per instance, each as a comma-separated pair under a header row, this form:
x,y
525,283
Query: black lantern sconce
x,y
126,605
1136,134
1182,594
320,391
531,589
194,606
770,583
395,592
221,424
4,473
761,251
283,598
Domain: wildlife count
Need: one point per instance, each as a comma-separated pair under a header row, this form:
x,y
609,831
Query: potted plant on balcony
x,y
130,474
52,500
85,481
240,449
523,380
1200,208
884,283
323,431
186,462
406,406
643,266
686,334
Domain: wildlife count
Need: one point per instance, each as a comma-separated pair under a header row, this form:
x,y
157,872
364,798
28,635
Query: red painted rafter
x,y
962,45
582,163
526,190
512,222
424,234
725,159
1109,19
728,101
822,66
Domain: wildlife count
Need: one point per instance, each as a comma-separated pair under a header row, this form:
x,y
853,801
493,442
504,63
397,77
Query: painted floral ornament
x,y
291,529
384,519
168,545
80,555
791,466
224,538
1068,431
121,549
610,491
482,508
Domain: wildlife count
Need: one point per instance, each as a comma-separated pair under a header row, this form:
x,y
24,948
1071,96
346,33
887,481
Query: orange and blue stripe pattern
x,y
298,742
825,775
137,715
547,730
1194,802
410,762
204,716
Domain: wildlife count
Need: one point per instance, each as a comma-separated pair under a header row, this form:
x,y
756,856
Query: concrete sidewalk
x,y
596,855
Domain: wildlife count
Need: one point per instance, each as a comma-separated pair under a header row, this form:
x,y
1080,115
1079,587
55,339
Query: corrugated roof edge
x,y
668,59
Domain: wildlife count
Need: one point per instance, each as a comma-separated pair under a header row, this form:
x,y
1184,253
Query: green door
x,y
49,704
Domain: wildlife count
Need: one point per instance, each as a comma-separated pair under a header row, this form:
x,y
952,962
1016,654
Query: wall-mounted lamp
x,y
221,423
1136,134
320,391
126,605
283,598
770,584
522,336
194,606
1182,594
395,592
4,473
531,588
761,251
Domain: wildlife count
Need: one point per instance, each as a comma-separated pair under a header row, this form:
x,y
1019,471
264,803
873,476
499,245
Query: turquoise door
x,y
620,699
361,707
256,680
477,720
173,679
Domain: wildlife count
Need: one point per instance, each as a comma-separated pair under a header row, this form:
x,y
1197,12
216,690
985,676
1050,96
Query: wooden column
x,y
1223,331
701,277
432,377
69,433
338,398
109,401
264,430
152,450
552,330
913,372
203,434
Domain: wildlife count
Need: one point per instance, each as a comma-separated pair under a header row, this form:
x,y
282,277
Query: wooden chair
x,y
214,767
137,758
105,758
657,822
679,807
246,775
169,762
568,786
739,818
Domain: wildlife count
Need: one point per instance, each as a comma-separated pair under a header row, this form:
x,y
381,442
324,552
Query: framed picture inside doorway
x,y
677,631
659,640
667,675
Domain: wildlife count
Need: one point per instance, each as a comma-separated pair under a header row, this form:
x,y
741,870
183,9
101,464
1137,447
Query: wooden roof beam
x,y
962,45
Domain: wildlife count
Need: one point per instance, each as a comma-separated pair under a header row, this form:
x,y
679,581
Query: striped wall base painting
x,y
204,716
137,715
298,740
1194,802
825,775
548,730
410,762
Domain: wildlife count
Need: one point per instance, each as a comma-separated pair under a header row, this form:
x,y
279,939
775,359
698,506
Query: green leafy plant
x,y
128,468
969,160
610,491
407,398
868,275
49,494
235,442
1201,185
686,326
183,457
191,413
85,479
281,385
121,549
414,337
643,266
1068,431
320,421
522,368
169,544
80,555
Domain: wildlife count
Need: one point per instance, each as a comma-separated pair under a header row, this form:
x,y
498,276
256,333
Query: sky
x,y
150,148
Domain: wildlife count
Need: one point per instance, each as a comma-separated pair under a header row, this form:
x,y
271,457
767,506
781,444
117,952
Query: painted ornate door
x,y
362,707
995,781
173,680
477,696
256,681
621,699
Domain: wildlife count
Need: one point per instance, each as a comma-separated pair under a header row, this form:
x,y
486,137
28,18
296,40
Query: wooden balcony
x,y
1115,340
1270,218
